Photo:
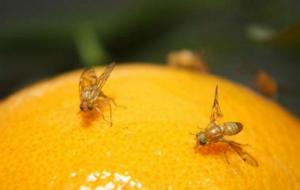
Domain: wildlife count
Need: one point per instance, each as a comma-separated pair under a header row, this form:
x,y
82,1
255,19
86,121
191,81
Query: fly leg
x,y
108,100
226,157
110,114
111,100
225,152
102,115
245,156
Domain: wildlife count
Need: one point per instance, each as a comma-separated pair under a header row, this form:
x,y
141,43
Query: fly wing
x,y
104,76
243,154
216,110
87,78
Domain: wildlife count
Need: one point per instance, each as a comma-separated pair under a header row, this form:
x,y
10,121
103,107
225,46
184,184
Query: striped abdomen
x,y
232,128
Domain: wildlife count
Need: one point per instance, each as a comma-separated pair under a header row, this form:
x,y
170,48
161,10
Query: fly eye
x,y
81,107
201,138
90,107
203,141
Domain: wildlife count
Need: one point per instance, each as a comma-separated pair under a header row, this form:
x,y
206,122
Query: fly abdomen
x,y
214,131
232,128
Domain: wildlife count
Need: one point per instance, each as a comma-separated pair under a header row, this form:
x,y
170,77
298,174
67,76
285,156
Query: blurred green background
x,y
39,39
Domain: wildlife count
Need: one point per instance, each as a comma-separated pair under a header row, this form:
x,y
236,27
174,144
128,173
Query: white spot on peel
x,y
100,188
97,174
116,180
82,187
132,183
139,185
91,178
105,174
73,174
122,178
109,186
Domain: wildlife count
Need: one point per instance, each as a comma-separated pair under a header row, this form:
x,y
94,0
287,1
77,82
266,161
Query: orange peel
x,y
45,143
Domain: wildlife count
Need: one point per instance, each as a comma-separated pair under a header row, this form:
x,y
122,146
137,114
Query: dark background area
x,y
40,39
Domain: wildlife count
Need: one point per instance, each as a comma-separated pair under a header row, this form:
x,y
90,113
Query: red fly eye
x,y
81,107
90,107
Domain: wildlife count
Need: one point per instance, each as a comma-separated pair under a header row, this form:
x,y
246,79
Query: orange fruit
x,y
46,144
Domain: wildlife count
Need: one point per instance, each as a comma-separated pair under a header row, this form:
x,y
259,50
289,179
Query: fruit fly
x,y
90,89
215,132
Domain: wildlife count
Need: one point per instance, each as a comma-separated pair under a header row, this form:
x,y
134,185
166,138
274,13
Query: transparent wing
x,y
87,78
243,154
104,76
216,110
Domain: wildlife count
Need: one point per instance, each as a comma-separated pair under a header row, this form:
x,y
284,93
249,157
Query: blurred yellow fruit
x,y
46,144
188,60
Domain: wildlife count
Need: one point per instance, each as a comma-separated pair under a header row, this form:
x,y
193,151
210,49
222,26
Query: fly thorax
x,y
85,94
90,94
214,131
